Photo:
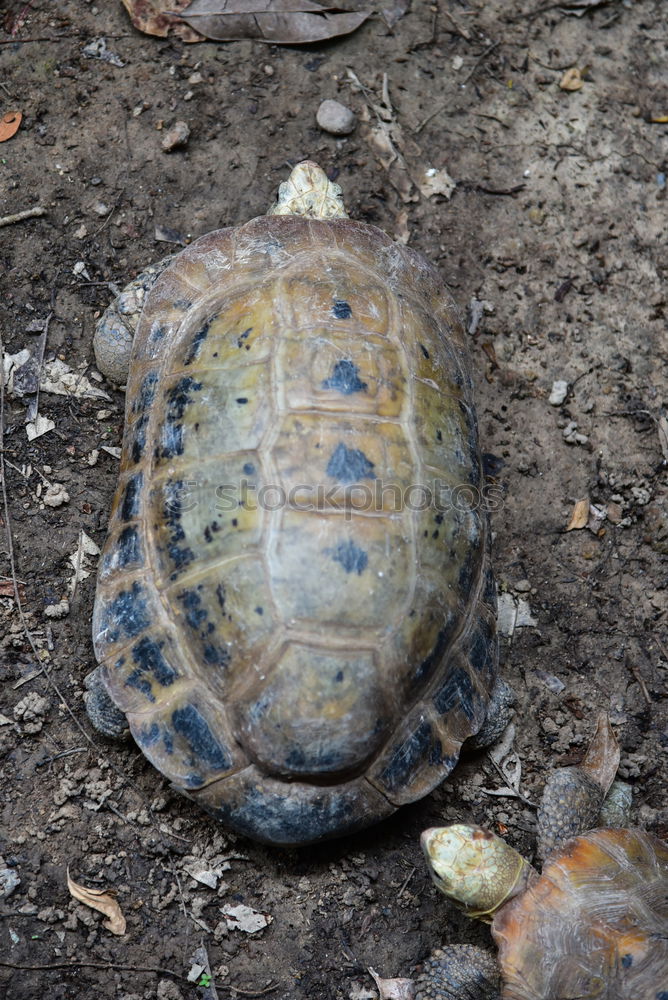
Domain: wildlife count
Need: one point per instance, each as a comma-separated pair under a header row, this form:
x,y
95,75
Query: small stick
x,y
28,213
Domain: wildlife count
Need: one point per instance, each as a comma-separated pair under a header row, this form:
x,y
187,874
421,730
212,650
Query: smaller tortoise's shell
x,y
302,670
593,925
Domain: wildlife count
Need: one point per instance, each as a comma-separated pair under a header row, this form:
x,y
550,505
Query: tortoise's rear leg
x,y
499,713
105,716
115,330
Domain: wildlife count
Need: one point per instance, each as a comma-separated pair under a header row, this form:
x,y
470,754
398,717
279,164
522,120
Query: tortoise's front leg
x,y
105,716
458,972
115,330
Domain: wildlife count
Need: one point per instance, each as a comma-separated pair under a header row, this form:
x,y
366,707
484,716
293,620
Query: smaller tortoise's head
x,y
309,192
474,868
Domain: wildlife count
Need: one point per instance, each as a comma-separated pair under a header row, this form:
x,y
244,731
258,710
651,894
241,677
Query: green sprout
x,y
204,979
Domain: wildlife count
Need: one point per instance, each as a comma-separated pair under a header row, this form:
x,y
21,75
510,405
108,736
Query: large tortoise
x,y
592,926
298,634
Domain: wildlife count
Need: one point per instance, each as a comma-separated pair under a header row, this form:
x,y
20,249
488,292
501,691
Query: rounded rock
x,y
335,118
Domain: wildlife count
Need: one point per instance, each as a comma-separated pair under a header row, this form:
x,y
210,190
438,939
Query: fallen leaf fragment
x,y
101,901
60,379
79,559
282,22
9,125
580,515
393,989
513,613
245,918
160,18
435,181
572,79
40,425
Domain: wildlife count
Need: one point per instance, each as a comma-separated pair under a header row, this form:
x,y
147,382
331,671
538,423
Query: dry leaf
x,y
580,515
395,12
572,79
102,901
393,989
513,613
245,918
9,125
160,18
281,22
40,425
79,559
435,181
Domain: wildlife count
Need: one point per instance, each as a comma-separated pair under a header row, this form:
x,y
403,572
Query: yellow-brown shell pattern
x,y
297,638
593,925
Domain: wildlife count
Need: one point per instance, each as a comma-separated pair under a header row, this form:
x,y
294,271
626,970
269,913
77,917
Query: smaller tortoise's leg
x,y
115,330
573,797
458,972
102,712
499,713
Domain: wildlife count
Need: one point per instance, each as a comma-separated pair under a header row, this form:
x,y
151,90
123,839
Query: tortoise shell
x,y
295,608
593,925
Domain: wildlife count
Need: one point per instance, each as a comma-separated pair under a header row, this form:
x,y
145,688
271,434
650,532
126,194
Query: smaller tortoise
x,y
594,924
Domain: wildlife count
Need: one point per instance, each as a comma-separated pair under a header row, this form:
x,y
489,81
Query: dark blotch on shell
x,y
341,309
147,654
195,345
349,465
130,502
350,556
126,551
193,727
177,400
127,615
456,692
345,378
409,755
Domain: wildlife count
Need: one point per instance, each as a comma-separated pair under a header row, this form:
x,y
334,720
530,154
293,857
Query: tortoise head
x,y
474,868
309,192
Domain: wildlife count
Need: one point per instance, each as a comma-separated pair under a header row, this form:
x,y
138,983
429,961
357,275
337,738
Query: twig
x,y
476,64
406,881
253,993
641,683
21,41
57,756
28,213
429,118
101,965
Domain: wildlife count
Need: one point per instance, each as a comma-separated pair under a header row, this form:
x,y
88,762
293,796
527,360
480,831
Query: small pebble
x,y
101,208
56,495
59,610
558,393
335,118
176,136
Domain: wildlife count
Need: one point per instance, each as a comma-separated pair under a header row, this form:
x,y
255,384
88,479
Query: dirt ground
x,y
557,224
